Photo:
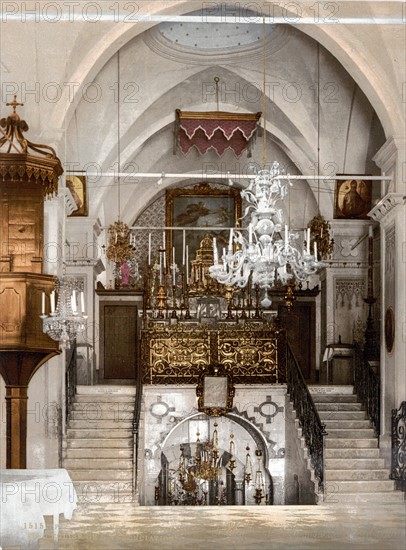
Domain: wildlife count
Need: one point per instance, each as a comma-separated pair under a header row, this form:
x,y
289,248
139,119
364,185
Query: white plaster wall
x,y
3,424
44,418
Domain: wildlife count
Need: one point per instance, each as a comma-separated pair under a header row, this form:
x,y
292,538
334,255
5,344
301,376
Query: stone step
x,y
394,497
356,475
107,398
104,491
342,415
101,475
366,433
100,424
331,390
111,453
345,443
119,411
98,433
97,444
346,424
95,464
370,486
101,389
338,406
343,398
354,463
349,454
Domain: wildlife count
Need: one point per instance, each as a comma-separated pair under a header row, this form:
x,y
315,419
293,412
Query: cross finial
x,y
14,104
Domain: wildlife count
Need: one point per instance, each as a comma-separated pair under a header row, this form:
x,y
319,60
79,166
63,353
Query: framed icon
x,y
352,199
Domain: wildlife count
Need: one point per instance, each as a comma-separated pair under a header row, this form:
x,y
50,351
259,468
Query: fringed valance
x,y
217,130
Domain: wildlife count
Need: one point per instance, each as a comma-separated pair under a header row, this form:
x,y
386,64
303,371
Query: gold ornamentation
x,y
119,248
320,234
178,354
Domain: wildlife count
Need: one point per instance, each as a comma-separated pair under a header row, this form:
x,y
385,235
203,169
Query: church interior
x,y
203,274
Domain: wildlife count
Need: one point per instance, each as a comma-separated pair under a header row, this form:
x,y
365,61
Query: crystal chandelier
x,y
64,321
271,254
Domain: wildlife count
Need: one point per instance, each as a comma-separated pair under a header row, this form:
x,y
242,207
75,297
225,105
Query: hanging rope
x,y
263,90
118,136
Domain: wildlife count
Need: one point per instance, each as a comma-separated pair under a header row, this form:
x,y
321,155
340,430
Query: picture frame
x,y
215,390
200,206
77,188
353,198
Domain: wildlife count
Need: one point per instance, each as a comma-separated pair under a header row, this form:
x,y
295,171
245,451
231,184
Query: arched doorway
x,y
214,461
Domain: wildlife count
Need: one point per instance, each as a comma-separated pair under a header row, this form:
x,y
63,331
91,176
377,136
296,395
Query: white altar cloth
x,y
26,496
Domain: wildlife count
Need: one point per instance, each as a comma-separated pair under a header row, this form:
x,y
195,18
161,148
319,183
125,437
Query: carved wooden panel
x,y
21,227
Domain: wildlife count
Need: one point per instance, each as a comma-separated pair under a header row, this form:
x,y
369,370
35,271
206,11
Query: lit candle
x,y
308,240
250,233
149,249
371,234
52,302
230,244
82,301
43,303
286,233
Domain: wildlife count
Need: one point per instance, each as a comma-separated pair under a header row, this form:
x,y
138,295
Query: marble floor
x,y
325,527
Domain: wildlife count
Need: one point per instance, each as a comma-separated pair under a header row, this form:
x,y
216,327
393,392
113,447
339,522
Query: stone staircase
x,y
354,471
99,443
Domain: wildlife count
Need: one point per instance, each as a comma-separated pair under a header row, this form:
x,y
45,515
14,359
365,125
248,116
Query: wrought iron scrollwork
x,y
313,430
367,387
398,468
254,354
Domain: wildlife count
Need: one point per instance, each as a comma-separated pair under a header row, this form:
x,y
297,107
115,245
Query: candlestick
x,y
315,250
308,241
183,247
250,233
43,303
82,302
52,297
187,264
230,244
149,249
215,253
73,301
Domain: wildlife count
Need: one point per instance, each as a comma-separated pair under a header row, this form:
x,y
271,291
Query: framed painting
x,y
215,390
77,188
352,199
198,211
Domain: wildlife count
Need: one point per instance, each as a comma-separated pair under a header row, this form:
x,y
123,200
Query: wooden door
x,y
300,328
118,322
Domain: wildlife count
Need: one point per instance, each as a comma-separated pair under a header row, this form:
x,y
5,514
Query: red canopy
x,y
216,129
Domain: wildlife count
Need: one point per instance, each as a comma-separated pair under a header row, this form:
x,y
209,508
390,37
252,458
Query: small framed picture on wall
x,y
353,198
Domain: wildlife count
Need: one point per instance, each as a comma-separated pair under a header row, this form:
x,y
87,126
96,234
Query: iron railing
x,y
314,431
398,467
367,387
70,379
